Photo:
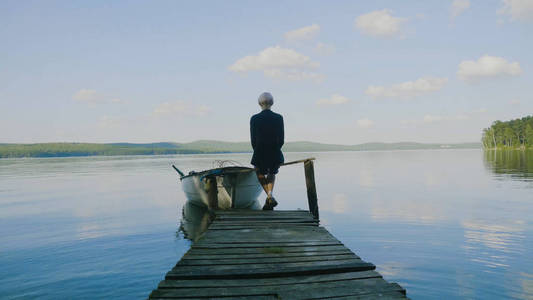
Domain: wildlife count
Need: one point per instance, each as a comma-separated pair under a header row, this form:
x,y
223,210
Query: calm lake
x,y
444,224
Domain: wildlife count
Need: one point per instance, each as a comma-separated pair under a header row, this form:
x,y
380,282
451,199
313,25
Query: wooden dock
x,y
248,254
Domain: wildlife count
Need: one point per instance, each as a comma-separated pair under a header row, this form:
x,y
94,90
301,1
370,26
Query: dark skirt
x,y
264,157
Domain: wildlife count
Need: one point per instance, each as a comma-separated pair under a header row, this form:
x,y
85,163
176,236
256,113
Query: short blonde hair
x,y
265,100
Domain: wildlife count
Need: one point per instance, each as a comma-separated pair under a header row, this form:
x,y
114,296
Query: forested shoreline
x,y
513,134
87,149
197,147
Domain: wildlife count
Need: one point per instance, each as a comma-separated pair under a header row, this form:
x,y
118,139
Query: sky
x,y
344,72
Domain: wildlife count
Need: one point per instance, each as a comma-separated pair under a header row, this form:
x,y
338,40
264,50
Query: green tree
x,y
508,135
529,135
516,133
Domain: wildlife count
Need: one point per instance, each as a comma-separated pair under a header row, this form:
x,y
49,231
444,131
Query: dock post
x,y
312,199
212,192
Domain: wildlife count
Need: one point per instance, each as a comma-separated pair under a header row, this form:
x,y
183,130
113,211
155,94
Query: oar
x,y
297,161
178,170
248,170
283,164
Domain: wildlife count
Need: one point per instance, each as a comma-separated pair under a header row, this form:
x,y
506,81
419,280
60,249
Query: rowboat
x,y
237,187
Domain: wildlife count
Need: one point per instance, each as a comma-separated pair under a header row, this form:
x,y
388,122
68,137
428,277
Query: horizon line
x,y
208,140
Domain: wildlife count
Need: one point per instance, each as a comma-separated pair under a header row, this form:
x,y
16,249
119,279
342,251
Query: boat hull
x,y
236,187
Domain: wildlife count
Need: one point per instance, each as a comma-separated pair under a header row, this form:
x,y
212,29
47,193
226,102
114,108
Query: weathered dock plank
x,y
344,288
277,281
264,260
262,255
267,250
272,255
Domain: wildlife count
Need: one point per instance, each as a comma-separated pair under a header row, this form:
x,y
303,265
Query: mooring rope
x,y
226,163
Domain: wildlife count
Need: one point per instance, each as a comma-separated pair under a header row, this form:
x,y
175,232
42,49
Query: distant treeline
x,y
197,147
84,149
514,134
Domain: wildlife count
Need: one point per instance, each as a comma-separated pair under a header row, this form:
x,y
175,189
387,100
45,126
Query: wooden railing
x,y
312,199
309,169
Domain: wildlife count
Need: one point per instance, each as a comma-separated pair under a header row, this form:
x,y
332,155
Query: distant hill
x,y
196,147
217,146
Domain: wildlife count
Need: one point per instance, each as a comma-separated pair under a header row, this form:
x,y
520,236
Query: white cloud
x,y
407,89
280,63
335,99
380,23
458,7
303,34
294,75
324,49
486,67
180,108
480,110
86,95
273,58
518,10
93,97
365,123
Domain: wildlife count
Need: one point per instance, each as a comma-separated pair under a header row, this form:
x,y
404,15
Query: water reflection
x,y
196,219
502,237
515,164
493,245
445,224
527,285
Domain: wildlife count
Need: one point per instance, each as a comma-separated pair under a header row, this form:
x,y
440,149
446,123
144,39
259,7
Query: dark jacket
x,y
267,137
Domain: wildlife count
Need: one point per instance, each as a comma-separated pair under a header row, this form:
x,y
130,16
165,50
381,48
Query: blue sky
x,y
341,72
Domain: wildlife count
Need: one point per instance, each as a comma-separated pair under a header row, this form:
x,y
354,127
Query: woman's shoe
x,y
270,203
273,202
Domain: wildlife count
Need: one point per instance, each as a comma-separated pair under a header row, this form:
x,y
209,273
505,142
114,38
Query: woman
x,y
267,137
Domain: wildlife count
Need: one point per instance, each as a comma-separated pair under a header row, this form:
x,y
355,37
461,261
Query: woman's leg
x,y
263,181
270,180
267,182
